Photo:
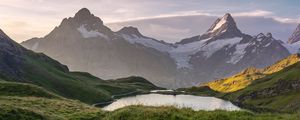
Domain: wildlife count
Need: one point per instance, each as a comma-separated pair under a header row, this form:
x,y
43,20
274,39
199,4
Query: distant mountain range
x,y
174,28
84,44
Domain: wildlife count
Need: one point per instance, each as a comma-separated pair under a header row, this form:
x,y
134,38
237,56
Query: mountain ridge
x,y
226,52
104,53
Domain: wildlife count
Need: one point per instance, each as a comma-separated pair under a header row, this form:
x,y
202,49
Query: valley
x,y
84,70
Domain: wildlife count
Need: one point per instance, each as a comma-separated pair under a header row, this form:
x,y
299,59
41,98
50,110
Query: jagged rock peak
x,y
269,35
130,31
295,36
85,15
83,12
223,28
260,35
224,23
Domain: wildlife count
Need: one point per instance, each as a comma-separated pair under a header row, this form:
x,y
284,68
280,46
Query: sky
x,y
24,19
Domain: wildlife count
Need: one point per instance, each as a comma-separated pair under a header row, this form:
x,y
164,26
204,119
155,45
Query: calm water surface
x,y
180,101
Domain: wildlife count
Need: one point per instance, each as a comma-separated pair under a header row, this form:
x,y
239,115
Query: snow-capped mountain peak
x,y
224,27
133,36
87,24
225,20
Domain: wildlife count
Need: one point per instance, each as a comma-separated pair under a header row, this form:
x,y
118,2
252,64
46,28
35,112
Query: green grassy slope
x,y
37,107
23,89
279,91
245,78
20,101
276,90
171,113
43,105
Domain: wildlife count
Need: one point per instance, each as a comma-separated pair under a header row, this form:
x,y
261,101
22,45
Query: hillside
x,y
27,101
245,78
23,89
279,91
43,107
21,65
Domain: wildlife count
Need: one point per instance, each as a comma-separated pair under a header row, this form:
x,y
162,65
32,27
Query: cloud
x,y
286,20
43,15
254,13
167,31
174,14
267,14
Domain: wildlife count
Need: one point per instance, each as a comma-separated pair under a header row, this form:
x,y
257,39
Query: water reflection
x,y
188,101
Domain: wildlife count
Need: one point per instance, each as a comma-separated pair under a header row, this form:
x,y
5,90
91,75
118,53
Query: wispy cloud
x,y
174,14
286,20
254,13
267,14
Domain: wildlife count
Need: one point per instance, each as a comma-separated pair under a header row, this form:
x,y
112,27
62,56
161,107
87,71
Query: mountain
x,y
293,43
224,50
246,77
84,44
133,36
295,36
174,27
21,65
222,28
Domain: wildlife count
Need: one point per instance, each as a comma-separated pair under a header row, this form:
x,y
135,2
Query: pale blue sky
x,y
23,19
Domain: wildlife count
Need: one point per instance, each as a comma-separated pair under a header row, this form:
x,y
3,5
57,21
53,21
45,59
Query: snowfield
x,y
90,34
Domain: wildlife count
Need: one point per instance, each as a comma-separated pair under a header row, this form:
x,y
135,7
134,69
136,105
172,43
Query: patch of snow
x,y
219,24
89,34
253,50
148,42
267,45
238,53
293,48
259,39
182,53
